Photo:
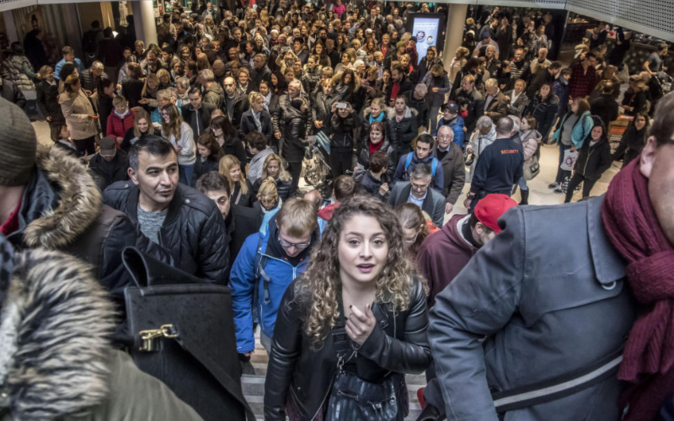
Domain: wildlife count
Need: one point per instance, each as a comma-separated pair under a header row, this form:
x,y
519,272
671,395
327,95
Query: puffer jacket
x,y
593,161
421,106
544,111
341,131
13,70
61,209
193,230
77,110
300,378
530,140
55,302
243,283
293,124
404,131
48,100
478,143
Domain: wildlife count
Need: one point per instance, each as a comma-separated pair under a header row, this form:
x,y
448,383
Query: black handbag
x,y
183,334
354,398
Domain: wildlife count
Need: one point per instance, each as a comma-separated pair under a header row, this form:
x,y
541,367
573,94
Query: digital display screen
x,y
426,31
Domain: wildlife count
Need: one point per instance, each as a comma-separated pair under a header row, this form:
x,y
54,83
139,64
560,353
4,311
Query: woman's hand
x,y
334,107
277,135
318,124
573,149
435,89
143,101
360,324
178,148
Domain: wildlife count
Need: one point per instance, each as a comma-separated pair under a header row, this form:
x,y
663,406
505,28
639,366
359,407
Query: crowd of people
x,y
192,151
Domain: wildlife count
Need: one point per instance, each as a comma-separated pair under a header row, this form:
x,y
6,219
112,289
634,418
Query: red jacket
x,y
442,256
118,127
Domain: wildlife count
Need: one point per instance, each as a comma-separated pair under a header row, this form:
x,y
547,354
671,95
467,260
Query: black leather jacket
x,y
397,345
193,230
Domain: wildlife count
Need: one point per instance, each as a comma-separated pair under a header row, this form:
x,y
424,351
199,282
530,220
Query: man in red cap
x,y
442,256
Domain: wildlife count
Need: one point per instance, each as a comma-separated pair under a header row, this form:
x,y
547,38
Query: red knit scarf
x,y
633,228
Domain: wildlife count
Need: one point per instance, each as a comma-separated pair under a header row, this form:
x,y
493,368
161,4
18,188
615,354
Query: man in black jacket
x,y
172,215
109,164
197,113
240,221
499,166
234,103
605,106
260,71
400,86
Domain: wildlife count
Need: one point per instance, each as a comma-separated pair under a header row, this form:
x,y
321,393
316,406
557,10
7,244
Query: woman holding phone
x,y
79,114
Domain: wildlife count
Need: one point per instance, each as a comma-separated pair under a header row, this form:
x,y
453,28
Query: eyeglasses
x,y
300,246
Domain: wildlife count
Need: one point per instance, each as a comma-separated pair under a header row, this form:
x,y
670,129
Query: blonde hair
x,y
163,72
298,217
151,77
254,97
268,189
172,128
283,175
227,163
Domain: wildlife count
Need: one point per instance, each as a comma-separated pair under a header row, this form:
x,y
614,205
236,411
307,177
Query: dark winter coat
x,y
248,124
204,113
341,131
406,85
433,204
593,161
301,377
371,185
631,144
436,99
321,108
193,230
606,108
243,199
402,173
48,100
293,124
61,209
259,75
363,156
204,167
241,105
282,188
442,256
106,173
545,112
421,105
404,131
475,105
454,172
132,90
503,314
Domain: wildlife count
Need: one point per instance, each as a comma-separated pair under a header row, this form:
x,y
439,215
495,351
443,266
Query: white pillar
x,y
10,26
454,34
143,18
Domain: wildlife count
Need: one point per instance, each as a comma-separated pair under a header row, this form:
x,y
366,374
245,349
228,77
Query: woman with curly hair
x,y
352,325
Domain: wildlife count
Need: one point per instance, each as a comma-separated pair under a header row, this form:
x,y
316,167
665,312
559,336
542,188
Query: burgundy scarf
x,y
633,228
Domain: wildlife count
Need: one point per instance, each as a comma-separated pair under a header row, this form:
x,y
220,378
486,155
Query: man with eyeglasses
x,y
265,266
418,191
422,155
453,166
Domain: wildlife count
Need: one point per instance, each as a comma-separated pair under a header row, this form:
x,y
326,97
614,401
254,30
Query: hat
x,y
491,208
18,144
413,39
486,35
451,107
108,146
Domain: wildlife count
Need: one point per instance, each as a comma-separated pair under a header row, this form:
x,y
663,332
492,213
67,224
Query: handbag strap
x,y
226,381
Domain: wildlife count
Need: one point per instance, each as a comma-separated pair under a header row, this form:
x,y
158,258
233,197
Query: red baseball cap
x,y
491,208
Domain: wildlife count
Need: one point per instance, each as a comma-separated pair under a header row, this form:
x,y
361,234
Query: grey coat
x,y
550,298
434,204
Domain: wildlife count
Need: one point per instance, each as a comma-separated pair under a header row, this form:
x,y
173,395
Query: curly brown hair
x,y
318,291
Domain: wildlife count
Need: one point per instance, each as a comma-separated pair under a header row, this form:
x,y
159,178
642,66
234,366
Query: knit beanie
x,y
18,144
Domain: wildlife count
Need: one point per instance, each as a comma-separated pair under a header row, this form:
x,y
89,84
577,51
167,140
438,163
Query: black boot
x,y
430,413
525,197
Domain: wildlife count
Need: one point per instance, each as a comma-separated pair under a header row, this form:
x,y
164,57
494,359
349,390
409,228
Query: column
x,y
143,18
10,26
454,34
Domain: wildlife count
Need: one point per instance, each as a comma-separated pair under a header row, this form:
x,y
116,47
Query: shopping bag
x,y
569,160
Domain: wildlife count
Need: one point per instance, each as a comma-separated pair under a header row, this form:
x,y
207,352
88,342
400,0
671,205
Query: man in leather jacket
x,y
175,216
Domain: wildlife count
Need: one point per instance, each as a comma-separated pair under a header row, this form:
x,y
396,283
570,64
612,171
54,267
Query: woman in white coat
x,y
181,137
483,136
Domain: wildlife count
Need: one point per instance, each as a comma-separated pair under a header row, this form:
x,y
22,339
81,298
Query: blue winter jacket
x,y
457,126
242,282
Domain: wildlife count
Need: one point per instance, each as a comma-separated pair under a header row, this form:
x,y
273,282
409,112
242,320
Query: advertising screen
x,y
426,31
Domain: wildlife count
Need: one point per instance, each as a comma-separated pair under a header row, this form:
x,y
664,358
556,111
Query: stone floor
x,y
540,194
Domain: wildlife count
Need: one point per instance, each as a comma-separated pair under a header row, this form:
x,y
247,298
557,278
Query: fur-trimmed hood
x,y
55,330
60,202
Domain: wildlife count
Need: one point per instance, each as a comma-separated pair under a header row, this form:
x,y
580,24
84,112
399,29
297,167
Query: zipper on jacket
x,y
589,155
324,397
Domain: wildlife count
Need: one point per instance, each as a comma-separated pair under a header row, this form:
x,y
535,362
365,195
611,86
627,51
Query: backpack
x,y
434,164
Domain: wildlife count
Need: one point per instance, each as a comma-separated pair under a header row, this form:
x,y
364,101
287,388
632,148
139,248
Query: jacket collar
x,y
173,209
609,266
60,201
53,299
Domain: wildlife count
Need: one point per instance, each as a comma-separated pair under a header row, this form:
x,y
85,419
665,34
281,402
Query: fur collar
x,y
55,333
78,206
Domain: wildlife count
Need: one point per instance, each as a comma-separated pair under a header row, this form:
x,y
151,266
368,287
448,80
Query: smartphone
x,y
341,105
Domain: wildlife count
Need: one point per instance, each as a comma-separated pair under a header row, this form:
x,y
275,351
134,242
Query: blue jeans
x,y
185,174
562,174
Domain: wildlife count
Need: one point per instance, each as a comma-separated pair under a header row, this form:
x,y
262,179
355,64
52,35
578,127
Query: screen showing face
x,y
426,31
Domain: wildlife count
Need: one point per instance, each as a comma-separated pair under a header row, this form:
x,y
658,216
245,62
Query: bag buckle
x,y
150,337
